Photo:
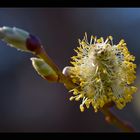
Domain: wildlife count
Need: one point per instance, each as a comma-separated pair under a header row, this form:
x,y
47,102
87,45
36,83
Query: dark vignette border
x,y
69,3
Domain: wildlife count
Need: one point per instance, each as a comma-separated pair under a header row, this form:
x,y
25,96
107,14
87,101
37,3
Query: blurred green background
x,y
30,104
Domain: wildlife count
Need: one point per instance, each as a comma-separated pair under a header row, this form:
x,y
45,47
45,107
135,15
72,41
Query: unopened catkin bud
x,y
20,39
44,70
66,71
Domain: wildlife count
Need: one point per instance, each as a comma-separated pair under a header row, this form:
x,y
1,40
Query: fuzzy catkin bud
x,y
14,37
44,70
20,39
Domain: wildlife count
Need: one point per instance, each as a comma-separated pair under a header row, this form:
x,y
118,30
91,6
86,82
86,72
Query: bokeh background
x,y
30,104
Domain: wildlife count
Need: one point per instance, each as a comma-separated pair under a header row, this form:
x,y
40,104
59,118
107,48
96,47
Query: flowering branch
x,y
102,73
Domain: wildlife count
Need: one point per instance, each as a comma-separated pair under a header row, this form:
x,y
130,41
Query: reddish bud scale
x,y
33,44
51,78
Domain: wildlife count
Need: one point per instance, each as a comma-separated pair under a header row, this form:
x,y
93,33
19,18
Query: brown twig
x,y
114,120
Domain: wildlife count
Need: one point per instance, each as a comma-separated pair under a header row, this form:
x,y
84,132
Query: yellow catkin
x,y
103,73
